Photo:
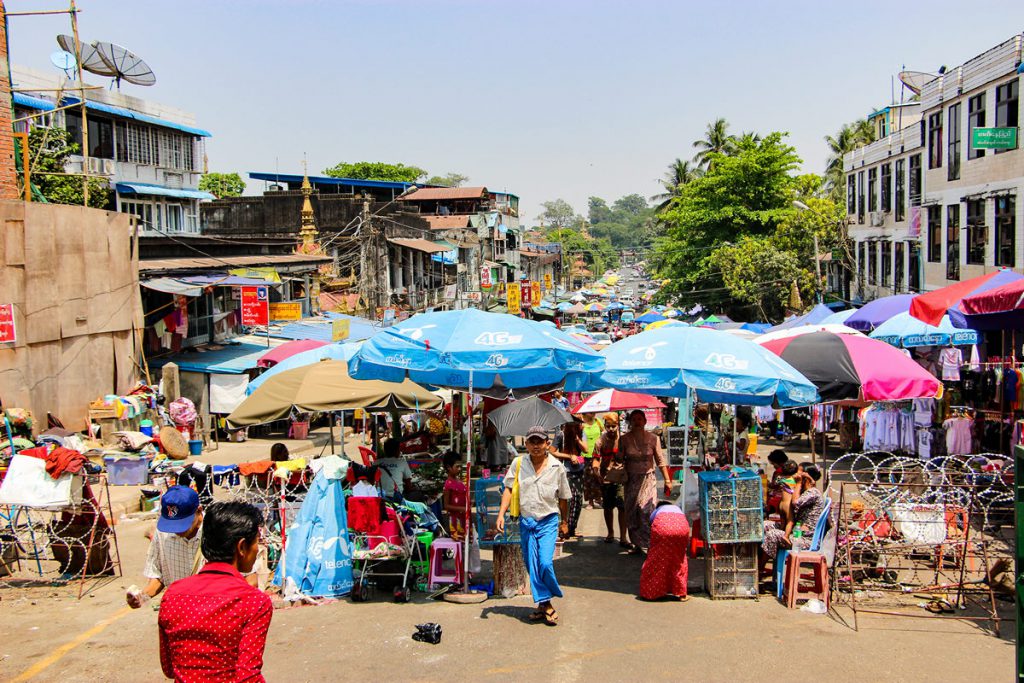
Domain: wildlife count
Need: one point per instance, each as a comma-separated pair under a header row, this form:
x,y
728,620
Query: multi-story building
x,y
940,199
152,155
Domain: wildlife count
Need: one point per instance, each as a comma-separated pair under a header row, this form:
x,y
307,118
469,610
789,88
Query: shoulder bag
x,y
513,508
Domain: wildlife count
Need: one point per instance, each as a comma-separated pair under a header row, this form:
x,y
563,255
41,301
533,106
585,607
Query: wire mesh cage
x,y
731,571
731,505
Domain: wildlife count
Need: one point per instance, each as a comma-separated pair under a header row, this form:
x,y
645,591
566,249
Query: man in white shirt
x,y
174,551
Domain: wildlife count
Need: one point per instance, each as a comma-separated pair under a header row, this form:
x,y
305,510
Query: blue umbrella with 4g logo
x,y
478,351
720,367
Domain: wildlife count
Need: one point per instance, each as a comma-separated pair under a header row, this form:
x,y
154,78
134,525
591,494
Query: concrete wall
x,y
72,274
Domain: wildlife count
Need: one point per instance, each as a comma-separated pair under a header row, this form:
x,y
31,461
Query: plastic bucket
x,y
146,427
195,446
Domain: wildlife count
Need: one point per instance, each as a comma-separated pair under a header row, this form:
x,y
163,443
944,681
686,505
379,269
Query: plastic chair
x,y
819,575
368,455
445,562
779,569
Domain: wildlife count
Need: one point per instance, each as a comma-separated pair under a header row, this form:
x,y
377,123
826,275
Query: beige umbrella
x,y
326,386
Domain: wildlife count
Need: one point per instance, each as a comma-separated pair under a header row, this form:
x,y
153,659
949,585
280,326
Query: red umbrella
x,y
286,350
611,400
930,307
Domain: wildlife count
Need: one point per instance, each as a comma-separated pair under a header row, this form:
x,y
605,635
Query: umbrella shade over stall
x,y
338,351
805,329
722,368
667,323
326,386
999,308
839,317
878,311
611,400
287,350
811,317
931,306
906,330
851,367
650,317
488,352
516,418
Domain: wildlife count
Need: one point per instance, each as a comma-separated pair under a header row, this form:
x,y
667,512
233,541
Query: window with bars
x,y
977,232
898,278
935,140
934,234
1006,231
886,263
860,197
953,152
975,119
887,187
872,189
953,242
915,180
872,264
851,194
901,192
1007,107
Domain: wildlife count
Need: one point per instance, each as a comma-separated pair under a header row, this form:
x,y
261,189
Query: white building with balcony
x,y
152,155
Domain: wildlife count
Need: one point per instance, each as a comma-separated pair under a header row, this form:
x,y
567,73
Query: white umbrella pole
x,y
686,451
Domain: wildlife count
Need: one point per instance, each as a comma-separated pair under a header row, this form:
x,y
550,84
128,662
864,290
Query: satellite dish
x,y
915,80
64,60
91,60
125,64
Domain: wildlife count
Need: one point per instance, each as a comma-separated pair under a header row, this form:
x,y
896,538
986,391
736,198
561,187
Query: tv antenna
x,y
113,61
915,80
64,60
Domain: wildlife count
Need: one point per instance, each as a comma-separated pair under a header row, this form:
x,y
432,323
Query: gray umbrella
x,y
516,418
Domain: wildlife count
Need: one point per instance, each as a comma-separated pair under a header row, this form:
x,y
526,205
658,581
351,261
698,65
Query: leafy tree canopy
x,y
448,180
49,149
558,213
627,223
222,185
598,254
376,170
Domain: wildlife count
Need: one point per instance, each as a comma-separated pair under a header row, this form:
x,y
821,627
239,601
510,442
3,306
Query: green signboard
x,y
994,138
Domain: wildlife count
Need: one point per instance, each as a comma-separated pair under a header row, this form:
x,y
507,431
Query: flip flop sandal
x,y
537,615
684,598
610,539
551,617
626,544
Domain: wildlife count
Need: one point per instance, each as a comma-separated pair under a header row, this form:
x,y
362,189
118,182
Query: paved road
x,y
606,634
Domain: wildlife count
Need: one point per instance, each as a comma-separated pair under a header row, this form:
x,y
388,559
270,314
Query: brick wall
x,y
8,175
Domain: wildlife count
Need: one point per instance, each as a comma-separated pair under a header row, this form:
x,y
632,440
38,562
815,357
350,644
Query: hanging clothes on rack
x,y
950,360
959,430
888,427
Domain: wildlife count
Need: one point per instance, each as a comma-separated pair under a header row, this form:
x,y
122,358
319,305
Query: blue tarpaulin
x,y
161,191
812,317
318,554
359,328
233,359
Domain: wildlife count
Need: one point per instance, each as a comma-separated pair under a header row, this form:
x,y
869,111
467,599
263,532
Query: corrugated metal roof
x,y
447,222
207,263
359,328
233,359
440,193
292,178
138,116
23,100
161,191
418,244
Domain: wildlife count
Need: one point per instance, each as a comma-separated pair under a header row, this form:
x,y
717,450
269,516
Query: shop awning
x,y
233,359
138,116
419,244
161,191
206,264
169,285
23,100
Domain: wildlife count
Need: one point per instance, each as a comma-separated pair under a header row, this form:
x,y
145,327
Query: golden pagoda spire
x,y
307,231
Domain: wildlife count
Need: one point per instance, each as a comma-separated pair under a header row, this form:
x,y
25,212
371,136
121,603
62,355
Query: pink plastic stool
x,y
819,576
445,562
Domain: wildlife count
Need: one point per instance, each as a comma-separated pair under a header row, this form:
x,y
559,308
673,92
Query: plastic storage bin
x,y
731,506
127,470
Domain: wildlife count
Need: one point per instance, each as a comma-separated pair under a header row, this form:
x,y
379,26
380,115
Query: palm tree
x,y
845,141
746,140
679,173
865,132
716,140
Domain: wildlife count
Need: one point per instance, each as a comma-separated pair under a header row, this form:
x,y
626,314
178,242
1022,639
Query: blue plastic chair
x,y
819,534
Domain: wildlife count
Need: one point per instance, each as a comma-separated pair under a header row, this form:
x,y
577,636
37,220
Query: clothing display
x,y
888,427
958,435
950,360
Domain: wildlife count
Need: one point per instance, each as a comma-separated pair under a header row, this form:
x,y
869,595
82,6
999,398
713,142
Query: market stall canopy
x,y
610,400
805,329
666,323
839,317
931,306
287,350
488,352
878,311
906,330
577,309
517,417
722,368
337,351
326,386
852,367
652,317
999,308
811,317
322,328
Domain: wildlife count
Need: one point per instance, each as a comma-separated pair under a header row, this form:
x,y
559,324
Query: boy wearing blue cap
x,y
174,552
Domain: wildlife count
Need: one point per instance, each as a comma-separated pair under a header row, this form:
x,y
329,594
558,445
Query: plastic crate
x,y
127,470
731,506
487,497
731,571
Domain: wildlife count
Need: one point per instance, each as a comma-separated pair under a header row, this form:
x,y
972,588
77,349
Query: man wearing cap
x,y
174,552
543,513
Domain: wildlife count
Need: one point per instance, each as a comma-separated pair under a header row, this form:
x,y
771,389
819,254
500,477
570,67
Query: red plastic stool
x,y
795,588
445,562
696,542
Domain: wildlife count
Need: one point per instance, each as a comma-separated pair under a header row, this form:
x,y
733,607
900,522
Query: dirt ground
x,y
605,634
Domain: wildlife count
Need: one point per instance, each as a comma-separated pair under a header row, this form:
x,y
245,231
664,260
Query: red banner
x,y
7,333
256,305
485,278
527,293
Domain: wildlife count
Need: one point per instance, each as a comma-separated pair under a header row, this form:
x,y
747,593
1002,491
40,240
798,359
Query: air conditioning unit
x,y
101,166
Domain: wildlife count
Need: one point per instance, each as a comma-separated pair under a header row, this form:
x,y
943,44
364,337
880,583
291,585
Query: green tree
x,y
630,204
222,185
448,180
716,141
749,192
757,273
557,214
679,173
376,170
598,254
598,211
49,149
848,138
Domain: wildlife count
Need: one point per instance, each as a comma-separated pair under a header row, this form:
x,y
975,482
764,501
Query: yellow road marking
x,y
67,647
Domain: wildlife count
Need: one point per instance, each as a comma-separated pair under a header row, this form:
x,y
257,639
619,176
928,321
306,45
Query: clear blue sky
x,y
544,98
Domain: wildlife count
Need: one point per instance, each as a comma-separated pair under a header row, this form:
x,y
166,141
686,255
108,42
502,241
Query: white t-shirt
x,y
394,472
950,360
924,444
